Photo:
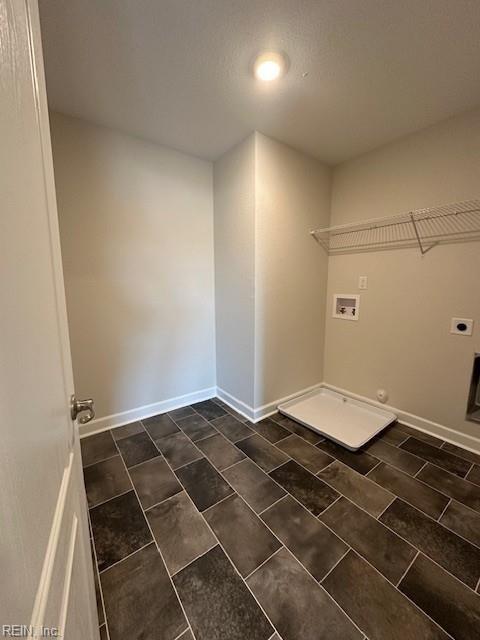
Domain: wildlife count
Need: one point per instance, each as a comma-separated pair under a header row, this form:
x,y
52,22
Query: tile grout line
x,y
202,455
168,436
439,523
335,459
388,506
273,533
416,606
207,457
125,557
273,504
391,530
407,569
400,536
117,495
458,455
425,554
145,509
203,438
219,501
349,548
158,548
267,473
448,453
290,552
200,555
229,443
373,468
95,568
103,459
340,494
321,438
229,559
133,466
116,429
185,416
438,466
229,410
465,476
290,435
422,467
367,475
186,463
264,561
314,473
218,542
325,468
322,588
219,433
425,484
361,554
181,633
189,628
310,472
443,511
272,444
407,453
422,436
235,463
444,494
289,459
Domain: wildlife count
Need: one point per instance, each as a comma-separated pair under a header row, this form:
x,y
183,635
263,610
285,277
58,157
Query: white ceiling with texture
x,y
178,72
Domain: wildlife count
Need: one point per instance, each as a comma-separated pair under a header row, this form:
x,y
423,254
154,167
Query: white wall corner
x,y
259,413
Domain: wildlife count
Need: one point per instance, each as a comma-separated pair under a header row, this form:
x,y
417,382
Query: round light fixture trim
x,y
269,66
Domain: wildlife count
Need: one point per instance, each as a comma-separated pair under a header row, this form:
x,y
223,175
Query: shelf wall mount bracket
x,y
423,250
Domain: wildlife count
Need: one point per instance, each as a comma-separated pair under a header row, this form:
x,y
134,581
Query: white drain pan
x,y
349,422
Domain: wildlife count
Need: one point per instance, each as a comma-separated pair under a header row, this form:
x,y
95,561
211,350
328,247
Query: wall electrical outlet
x,y
362,282
461,326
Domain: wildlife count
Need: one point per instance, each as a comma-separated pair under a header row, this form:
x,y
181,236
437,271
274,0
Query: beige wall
x,y
292,197
136,224
270,276
234,204
137,237
402,341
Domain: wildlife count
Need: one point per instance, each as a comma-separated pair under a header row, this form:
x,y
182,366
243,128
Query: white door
x,y
45,564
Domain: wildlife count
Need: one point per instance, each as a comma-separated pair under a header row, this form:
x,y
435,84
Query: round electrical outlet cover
x,y
382,395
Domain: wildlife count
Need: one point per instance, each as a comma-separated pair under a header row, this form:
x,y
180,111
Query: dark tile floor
x,y
208,527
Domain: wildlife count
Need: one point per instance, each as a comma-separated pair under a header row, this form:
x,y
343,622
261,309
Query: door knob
x,y
79,406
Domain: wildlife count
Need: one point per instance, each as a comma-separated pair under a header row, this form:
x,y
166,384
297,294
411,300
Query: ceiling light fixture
x,y
269,66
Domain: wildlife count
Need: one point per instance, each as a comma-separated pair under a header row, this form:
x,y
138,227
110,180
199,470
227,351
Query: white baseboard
x,y
256,414
234,403
416,422
140,413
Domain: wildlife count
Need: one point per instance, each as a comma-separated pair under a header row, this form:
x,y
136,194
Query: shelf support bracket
x,y
423,250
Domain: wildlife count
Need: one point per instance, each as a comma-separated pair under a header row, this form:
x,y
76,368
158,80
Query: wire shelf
x,y
425,228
